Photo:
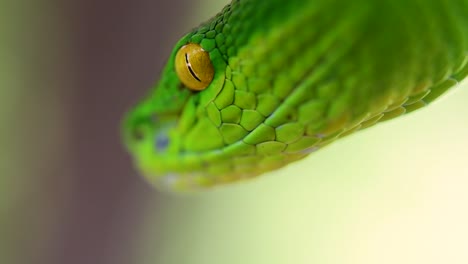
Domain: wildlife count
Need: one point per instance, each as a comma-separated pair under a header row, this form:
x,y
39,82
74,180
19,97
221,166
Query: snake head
x,y
200,126
174,134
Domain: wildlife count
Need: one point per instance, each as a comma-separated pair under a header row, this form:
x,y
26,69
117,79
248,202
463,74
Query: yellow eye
x,y
193,66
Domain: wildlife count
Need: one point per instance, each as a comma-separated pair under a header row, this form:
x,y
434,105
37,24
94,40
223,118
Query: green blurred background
x,y
395,193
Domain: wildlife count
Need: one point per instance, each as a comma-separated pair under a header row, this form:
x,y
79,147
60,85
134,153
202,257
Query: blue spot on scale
x,y
162,141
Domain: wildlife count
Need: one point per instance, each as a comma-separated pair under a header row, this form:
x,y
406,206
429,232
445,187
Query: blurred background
x,y
395,193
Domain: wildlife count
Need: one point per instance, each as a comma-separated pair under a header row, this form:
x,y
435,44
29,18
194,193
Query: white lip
x,y
174,181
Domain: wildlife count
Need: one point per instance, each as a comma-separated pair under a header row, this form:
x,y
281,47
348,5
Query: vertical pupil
x,y
190,68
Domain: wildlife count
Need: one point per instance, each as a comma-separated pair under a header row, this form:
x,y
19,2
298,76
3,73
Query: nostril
x,y
138,134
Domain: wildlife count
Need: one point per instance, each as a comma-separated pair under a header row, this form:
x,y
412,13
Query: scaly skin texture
x,y
290,78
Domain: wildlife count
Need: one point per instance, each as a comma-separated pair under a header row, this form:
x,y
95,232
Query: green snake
x,y
265,83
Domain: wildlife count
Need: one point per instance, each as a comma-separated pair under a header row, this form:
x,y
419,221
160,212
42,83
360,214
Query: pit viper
x,y
265,83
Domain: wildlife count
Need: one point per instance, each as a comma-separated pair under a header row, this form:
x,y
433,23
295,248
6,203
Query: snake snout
x,y
149,130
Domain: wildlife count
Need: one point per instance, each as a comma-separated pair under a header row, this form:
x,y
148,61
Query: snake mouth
x,y
173,181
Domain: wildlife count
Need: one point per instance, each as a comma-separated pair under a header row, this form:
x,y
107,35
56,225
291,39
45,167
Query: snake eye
x,y
193,66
